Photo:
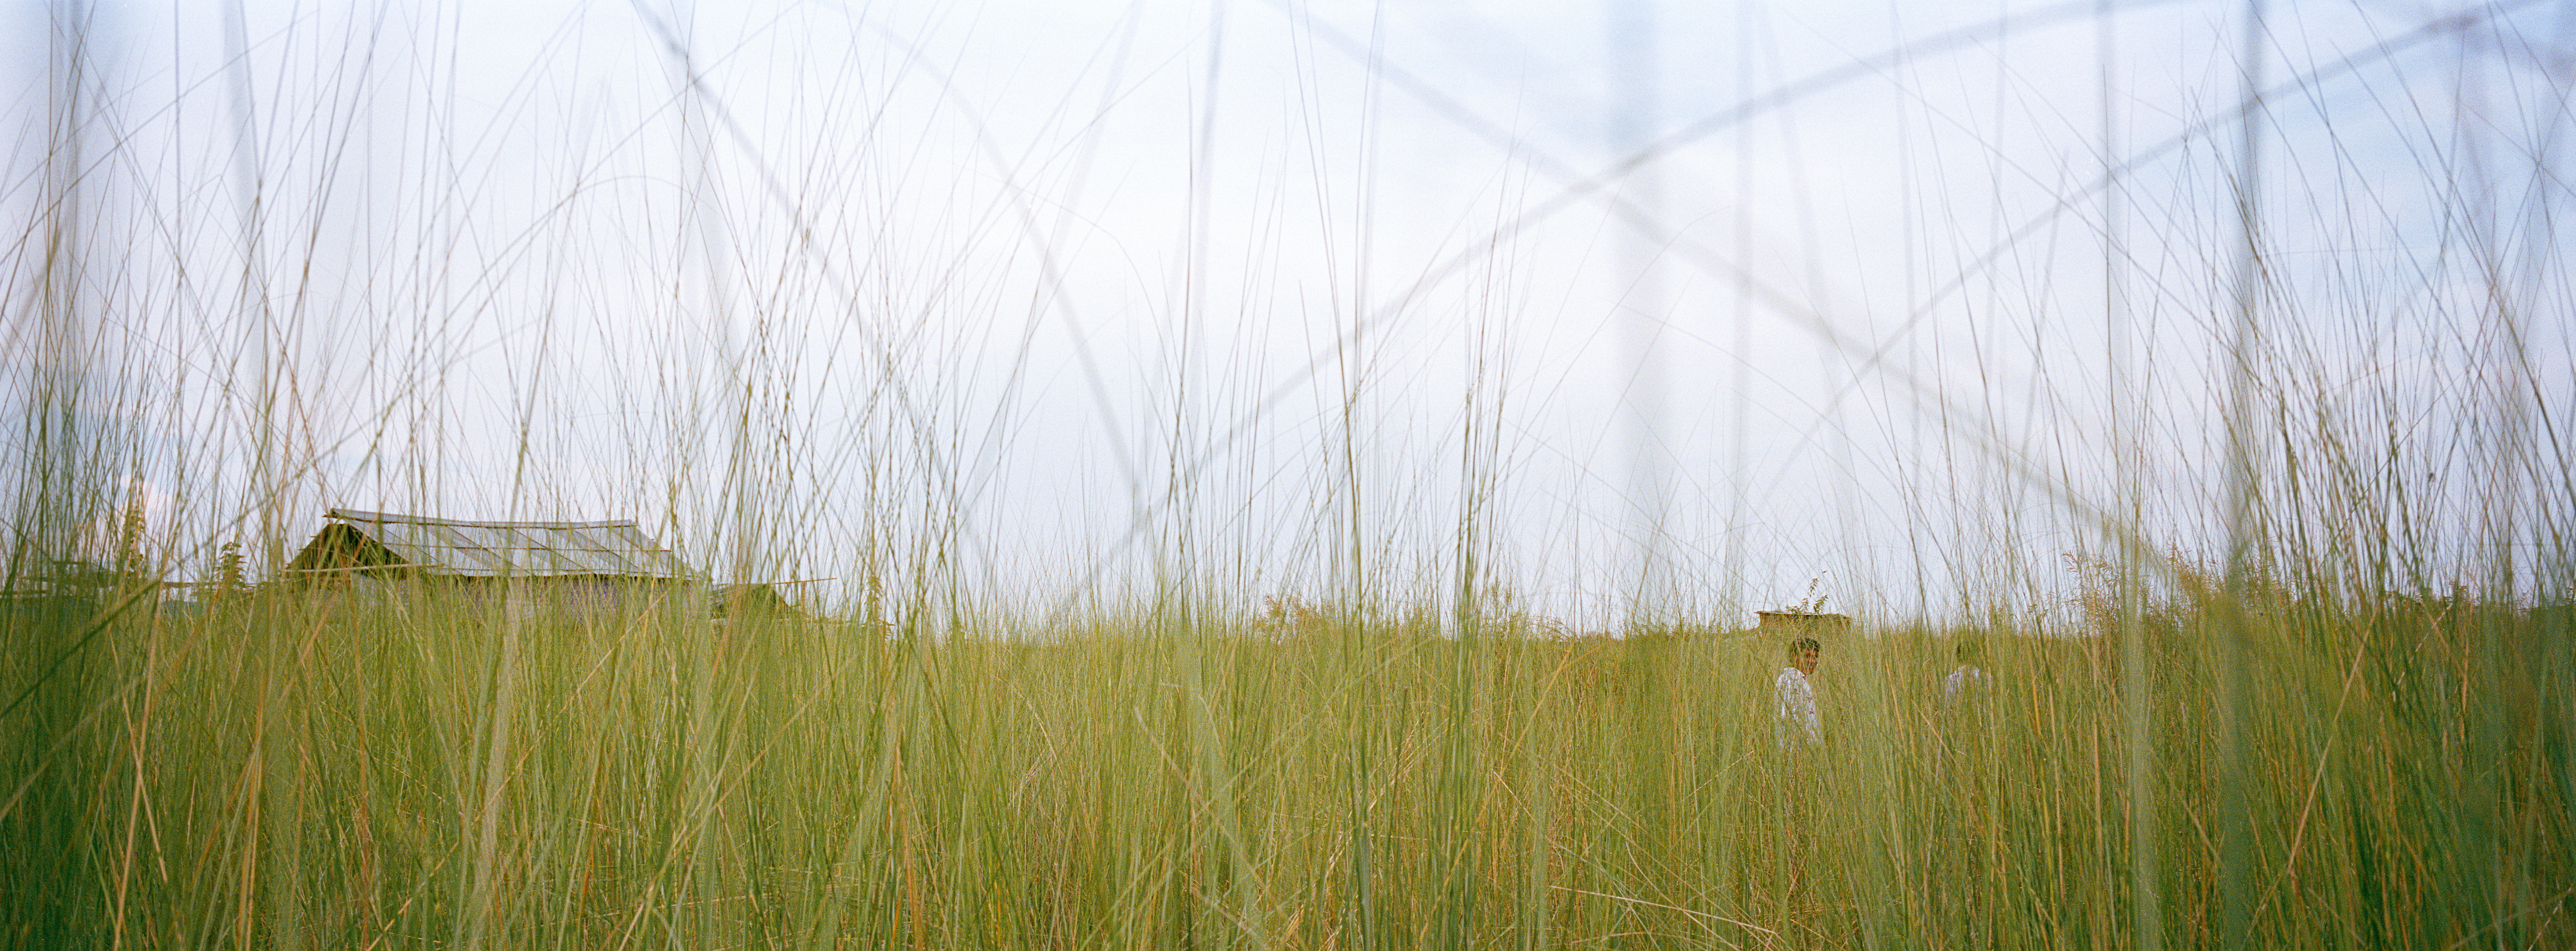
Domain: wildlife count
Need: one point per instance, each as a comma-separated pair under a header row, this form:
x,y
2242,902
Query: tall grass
x,y
2321,697
279,774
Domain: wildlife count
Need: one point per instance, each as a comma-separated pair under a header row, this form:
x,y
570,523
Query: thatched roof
x,y
383,543
753,599
1803,619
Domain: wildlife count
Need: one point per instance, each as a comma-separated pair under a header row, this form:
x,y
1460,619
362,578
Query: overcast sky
x,y
1064,295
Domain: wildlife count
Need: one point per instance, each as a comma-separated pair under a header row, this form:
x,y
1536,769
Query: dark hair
x,y
1970,650
1805,644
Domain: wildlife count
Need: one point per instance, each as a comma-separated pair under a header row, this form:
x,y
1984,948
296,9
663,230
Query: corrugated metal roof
x,y
442,546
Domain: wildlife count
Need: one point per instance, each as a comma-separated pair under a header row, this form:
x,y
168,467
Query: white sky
x,y
1084,291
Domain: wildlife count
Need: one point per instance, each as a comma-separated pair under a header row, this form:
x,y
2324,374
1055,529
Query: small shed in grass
x,y
755,601
572,568
1804,622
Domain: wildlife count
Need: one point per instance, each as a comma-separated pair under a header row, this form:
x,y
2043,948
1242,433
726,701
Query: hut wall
x,y
573,599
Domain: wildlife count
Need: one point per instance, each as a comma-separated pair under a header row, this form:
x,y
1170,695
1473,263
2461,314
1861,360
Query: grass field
x,y
1196,523
278,774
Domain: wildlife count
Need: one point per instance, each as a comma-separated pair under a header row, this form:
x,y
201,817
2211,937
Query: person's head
x,y
1971,651
1803,654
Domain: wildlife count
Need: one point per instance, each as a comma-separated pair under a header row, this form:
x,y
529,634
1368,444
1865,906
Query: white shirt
x,y
1965,683
1795,704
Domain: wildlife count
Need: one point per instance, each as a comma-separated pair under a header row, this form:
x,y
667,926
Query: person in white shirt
x,y
1967,685
1795,698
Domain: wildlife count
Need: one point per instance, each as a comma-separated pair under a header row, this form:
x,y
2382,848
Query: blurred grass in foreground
x,y
289,770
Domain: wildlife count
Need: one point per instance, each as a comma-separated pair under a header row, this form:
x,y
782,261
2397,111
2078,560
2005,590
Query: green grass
x,y
2357,730
278,775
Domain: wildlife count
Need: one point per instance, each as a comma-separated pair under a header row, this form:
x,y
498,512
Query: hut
x,y
1802,622
60,592
755,601
573,570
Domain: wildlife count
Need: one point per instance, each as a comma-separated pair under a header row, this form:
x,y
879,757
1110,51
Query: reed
x,y
2321,696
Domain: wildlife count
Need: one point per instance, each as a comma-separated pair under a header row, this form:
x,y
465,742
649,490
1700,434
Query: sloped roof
x,y
451,547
